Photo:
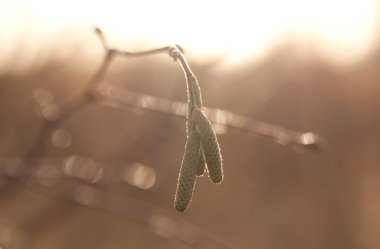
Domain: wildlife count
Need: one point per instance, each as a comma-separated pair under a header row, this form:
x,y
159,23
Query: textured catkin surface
x,y
210,145
187,175
201,163
195,100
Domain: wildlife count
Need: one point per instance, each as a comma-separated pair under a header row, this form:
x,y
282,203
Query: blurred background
x,y
90,158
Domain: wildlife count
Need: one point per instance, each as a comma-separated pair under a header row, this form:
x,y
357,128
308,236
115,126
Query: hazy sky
x,y
339,29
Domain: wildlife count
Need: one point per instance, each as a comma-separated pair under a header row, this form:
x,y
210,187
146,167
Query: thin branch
x,y
125,53
194,92
121,97
303,140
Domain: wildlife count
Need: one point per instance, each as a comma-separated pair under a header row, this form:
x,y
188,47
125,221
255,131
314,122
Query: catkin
x,y
187,175
209,144
201,163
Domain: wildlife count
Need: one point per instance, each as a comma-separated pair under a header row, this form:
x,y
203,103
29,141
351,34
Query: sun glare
x,y
235,29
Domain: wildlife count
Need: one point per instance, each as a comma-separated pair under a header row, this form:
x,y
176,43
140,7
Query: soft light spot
x,y
51,112
146,101
162,225
43,96
311,141
140,176
61,138
83,168
308,138
219,122
282,138
179,108
48,175
85,195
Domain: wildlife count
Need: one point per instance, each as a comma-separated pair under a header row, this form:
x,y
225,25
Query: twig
x,y
300,140
202,148
120,97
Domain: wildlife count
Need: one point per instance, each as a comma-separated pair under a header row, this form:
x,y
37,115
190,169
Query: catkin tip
x,y
179,208
217,180
200,174
187,174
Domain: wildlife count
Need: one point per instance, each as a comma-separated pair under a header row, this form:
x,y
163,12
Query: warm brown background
x,y
273,197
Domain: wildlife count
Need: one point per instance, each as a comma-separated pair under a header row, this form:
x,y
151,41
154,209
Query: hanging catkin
x,y
202,149
187,175
210,145
194,100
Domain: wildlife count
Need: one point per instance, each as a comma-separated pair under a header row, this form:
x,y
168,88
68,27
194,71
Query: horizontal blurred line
x,y
117,97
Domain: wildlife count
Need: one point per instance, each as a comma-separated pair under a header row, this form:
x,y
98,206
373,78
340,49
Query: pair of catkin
x,y
201,151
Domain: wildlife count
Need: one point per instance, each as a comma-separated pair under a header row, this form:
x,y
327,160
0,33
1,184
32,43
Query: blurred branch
x,y
112,95
120,97
84,181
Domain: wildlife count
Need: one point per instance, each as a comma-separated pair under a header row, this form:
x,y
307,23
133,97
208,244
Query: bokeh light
x,y
83,168
61,138
48,175
85,195
43,96
139,175
51,112
163,225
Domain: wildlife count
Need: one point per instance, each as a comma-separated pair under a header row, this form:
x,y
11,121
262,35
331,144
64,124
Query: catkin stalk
x,y
209,144
194,91
194,99
187,175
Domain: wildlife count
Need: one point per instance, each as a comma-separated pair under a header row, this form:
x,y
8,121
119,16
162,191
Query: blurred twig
x,y
302,140
75,184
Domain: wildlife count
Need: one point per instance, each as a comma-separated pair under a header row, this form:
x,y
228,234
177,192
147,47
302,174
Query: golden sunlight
x,y
236,29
